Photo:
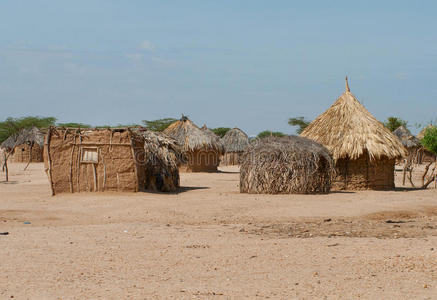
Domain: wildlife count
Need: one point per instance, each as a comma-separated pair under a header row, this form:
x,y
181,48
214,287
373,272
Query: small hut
x,y
163,156
97,160
235,142
286,165
26,146
201,150
410,142
364,150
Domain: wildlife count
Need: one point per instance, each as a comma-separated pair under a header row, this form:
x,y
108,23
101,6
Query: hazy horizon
x,y
247,64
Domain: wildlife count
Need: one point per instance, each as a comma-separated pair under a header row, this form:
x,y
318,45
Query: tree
x,y
220,131
159,125
267,133
74,125
14,125
394,123
300,122
429,142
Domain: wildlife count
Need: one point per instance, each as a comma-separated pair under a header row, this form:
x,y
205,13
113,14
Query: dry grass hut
x,y
201,150
26,146
364,150
162,159
97,160
410,142
235,142
286,165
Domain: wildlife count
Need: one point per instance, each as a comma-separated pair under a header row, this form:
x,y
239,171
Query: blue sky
x,y
251,64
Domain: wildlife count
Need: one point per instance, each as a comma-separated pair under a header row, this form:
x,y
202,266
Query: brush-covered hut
x,y
26,146
364,150
201,150
235,142
162,158
97,160
286,165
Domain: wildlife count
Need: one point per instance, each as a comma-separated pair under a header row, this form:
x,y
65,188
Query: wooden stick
x,y
49,161
95,178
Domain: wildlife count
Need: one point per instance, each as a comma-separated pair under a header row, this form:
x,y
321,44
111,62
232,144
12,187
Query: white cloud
x,y
148,46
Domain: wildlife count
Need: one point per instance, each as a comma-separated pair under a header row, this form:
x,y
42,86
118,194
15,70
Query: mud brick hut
x,y
364,150
201,150
235,142
97,160
26,146
286,165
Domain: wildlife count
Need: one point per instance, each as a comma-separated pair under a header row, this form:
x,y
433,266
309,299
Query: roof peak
x,y
347,86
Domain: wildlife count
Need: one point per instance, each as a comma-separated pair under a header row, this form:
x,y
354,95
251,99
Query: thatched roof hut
x,y
235,142
163,156
286,165
201,149
26,146
121,159
363,148
406,138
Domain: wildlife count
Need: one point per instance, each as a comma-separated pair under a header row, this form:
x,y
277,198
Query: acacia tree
x,y
267,133
159,125
394,123
220,131
300,122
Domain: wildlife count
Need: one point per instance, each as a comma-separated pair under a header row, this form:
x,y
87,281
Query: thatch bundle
x,y
363,148
235,142
286,165
26,146
163,156
201,148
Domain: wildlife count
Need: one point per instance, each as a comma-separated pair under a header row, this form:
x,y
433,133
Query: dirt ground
x,y
211,242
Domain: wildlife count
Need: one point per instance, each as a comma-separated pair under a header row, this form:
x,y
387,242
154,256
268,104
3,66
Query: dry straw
x,y
192,138
286,165
348,130
235,140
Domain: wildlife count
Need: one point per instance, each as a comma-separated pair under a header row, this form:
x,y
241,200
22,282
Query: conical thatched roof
x,y
348,130
28,135
405,136
192,138
235,140
421,134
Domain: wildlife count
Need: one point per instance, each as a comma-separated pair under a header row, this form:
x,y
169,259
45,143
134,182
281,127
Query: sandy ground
x,y
210,242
